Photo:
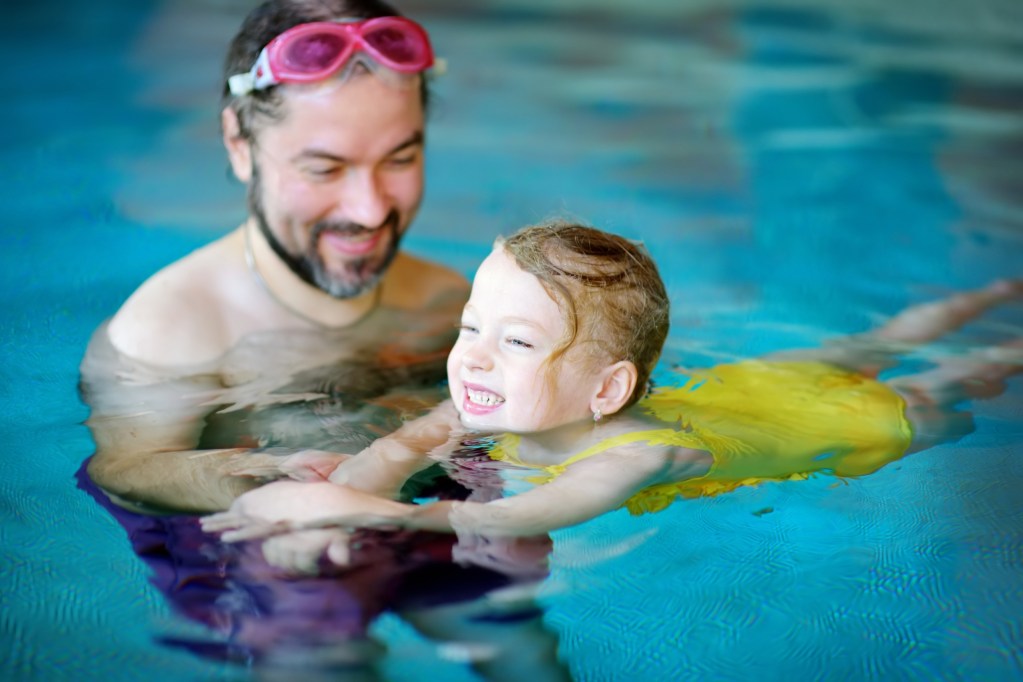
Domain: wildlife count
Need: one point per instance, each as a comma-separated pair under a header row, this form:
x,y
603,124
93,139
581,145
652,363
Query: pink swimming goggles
x,y
313,52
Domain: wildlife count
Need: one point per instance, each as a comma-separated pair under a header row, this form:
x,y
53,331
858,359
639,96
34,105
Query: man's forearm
x,y
196,481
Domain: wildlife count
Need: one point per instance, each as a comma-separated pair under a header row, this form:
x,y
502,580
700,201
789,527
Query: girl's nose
x,y
478,357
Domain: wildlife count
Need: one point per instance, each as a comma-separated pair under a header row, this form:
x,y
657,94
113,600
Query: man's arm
x,y
146,424
147,462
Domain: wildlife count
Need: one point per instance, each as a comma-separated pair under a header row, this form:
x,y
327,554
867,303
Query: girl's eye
x,y
466,329
519,342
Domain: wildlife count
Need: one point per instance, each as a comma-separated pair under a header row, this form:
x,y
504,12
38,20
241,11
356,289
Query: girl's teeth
x,y
484,397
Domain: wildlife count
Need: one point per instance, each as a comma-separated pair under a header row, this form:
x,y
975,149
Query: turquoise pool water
x,y
801,170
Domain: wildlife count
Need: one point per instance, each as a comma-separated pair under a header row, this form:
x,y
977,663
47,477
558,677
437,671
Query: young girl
x,y
562,330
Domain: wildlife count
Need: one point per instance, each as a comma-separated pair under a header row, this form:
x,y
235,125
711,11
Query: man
x,y
310,302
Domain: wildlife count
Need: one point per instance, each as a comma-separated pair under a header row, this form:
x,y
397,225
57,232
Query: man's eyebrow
x,y
413,140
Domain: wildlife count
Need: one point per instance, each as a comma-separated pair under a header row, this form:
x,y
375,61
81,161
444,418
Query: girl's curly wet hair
x,y
611,295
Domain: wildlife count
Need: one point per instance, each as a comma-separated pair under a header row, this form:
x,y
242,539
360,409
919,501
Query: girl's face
x,y
497,371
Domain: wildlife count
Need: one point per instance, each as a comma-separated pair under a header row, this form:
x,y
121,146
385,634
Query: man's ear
x,y
616,387
239,149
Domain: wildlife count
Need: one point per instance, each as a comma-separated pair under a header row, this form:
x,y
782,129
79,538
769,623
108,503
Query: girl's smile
x,y
480,400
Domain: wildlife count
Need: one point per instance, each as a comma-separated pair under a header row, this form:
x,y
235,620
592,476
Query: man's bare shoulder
x,y
178,316
417,284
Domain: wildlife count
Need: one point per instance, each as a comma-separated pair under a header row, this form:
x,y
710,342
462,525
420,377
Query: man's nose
x,y
364,199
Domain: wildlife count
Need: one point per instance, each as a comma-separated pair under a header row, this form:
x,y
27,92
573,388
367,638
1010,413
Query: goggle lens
x,y
314,53
398,46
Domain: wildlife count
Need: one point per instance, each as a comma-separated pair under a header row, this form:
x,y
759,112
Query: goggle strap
x,y
262,75
259,77
240,84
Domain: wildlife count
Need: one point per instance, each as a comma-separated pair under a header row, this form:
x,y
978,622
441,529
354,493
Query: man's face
x,y
337,182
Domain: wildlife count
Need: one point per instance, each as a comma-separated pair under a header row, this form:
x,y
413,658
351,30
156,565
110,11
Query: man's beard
x,y
361,275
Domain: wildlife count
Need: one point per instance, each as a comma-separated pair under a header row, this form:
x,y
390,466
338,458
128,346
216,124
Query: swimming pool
x,y
800,170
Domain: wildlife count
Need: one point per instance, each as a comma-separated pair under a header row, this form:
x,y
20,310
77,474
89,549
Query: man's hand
x,y
301,551
303,521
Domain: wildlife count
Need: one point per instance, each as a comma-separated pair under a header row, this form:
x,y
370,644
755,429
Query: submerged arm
x,y
147,461
147,423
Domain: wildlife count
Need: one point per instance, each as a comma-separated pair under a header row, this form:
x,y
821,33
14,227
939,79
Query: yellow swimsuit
x,y
763,421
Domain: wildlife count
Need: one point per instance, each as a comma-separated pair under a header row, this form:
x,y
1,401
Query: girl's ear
x,y
239,149
616,387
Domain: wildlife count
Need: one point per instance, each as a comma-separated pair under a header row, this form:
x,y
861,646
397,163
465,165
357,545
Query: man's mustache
x,y
349,229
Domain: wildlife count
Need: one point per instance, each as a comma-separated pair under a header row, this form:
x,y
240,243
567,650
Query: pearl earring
x,y
597,415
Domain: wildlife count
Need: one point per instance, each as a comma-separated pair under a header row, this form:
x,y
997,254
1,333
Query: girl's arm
x,y
579,494
381,468
587,489
360,484
384,466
